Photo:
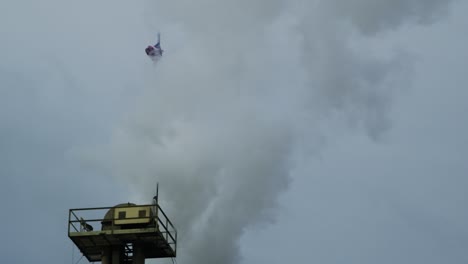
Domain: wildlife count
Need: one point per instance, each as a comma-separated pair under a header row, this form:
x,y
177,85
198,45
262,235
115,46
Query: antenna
x,y
155,198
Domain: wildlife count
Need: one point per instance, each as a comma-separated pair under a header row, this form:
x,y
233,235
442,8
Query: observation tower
x,y
128,233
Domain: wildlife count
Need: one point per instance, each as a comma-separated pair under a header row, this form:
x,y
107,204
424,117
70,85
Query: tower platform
x,y
124,226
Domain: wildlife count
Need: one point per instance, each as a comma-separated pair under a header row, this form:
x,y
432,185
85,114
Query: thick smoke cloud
x,y
372,17
221,117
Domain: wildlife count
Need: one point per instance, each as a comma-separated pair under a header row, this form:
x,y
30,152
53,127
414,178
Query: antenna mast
x,y
157,193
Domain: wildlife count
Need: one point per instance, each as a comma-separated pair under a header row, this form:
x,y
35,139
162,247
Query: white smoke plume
x,y
246,86
372,17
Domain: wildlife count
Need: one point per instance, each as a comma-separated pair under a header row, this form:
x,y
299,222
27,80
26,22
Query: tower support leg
x,y
117,253
106,256
138,254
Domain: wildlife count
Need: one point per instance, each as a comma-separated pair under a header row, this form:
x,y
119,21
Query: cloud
x,y
222,115
372,17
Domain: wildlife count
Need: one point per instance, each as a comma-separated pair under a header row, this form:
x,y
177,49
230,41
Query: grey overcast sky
x,y
280,131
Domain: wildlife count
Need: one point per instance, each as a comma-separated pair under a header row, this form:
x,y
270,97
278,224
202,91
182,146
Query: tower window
x,y
142,213
122,215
